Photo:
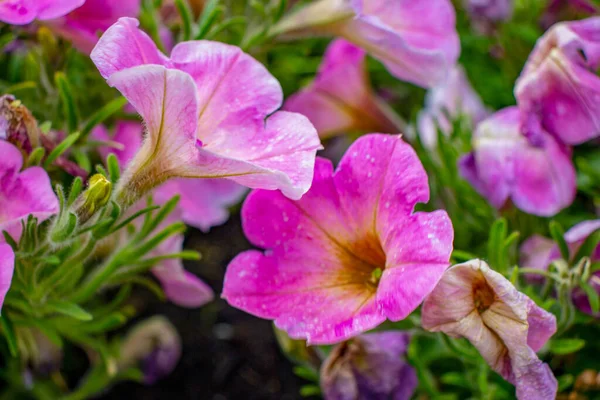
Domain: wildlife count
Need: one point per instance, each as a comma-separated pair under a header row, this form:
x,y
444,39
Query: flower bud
x,y
94,198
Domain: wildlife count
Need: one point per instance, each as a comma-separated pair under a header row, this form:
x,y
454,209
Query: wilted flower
x,y
341,99
21,12
154,345
535,171
7,267
558,10
370,366
83,26
17,125
205,110
22,193
415,39
539,252
558,90
350,253
507,327
203,202
452,99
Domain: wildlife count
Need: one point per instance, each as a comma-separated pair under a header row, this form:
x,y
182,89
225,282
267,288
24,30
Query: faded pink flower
x,y
350,253
341,99
83,25
204,203
448,101
7,267
370,366
22,192
507,327
22,12
535,172
558,90
415,39
205,109
539,252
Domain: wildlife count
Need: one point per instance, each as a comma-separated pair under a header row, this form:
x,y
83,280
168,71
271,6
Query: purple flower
x,y
204,202
348,255
535,172
7,267
490,10
154,345
558,89
341,99
444,103
205,109
415,39
539,252
507,327
558,10
370,366
22,12
22,192
83,25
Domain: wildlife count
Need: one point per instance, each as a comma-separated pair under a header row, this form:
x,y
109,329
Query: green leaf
x,y
310,390
68,101
558,234
114,171
9,335
75,190
68,309
36,156
496,248
61,148
209,15
306,373
455,379
566,346
102,115
187,19
588,246
592,296
565,382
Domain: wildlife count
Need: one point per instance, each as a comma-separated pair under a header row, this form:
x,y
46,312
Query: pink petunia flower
x,y
558,89
348,255
535,172
415,39
450,100
341,99
22,192
204,203
205,109
83,25
539,252
7,267
506,326
370,366
22,12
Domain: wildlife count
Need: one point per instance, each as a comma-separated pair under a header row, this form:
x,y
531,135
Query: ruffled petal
x,y
7,267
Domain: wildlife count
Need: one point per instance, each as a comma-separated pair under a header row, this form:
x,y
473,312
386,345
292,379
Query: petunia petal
x,y
7,266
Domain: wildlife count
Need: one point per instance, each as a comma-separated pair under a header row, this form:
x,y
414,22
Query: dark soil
x,y
227,354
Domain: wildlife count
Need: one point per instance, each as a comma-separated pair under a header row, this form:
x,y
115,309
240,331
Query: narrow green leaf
x,y
76,188
102,115
9,335
36,156
558,234
68,309
566,346
187,19
209,15
82,159
61,148
310,390
68,101
306,373
592,296
565,382
588,246
134,217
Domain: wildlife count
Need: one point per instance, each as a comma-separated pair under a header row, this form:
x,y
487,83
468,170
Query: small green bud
x,y
94,198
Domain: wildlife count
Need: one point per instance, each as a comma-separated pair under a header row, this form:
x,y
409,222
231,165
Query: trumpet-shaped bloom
x,y
538,252
203,202
558,89
450,100
371,366
535,172
507,327
348,255
22,12
7,267
341,99
22,192
205,109
83,25
415,39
